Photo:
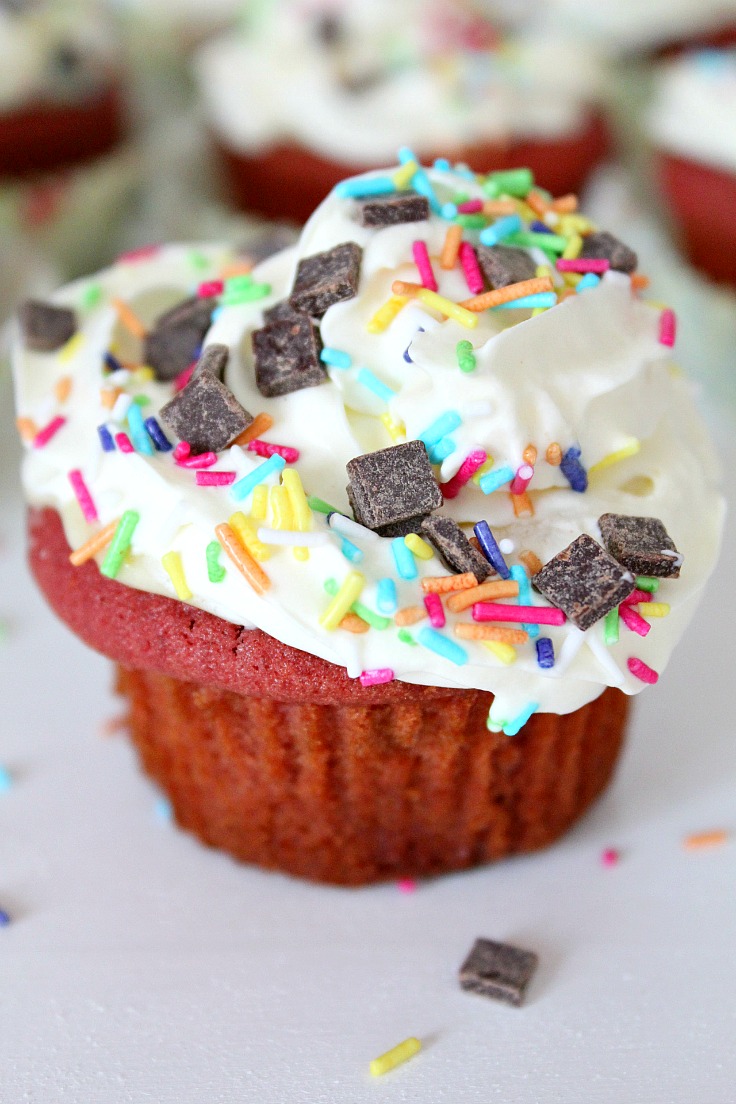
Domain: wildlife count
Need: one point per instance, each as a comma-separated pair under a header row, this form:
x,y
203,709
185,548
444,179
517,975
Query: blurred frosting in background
x,y
693,112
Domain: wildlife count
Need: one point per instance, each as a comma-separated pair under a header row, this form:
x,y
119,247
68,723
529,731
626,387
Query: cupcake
x,y
383,534
692,128
305,94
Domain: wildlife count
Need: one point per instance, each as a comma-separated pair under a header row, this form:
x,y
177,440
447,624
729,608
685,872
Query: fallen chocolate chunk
x,y
205,412
454,548
45,327
213,360
642,544
176,337
393,489
498,970
584,581
604,246
391,210
505,264
286,356
326,278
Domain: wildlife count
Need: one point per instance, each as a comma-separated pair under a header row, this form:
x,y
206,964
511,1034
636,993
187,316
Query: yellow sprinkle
x,y
385,315
482,470
72,347
402,177
613,457
348,593
656,303
573,247
572,279
394,1057
543,270
259,503
300,512
505,652
526,212
281,508
419,547
654,609
63,388
173,567
448,308
144,374
396,430
245,530
572,224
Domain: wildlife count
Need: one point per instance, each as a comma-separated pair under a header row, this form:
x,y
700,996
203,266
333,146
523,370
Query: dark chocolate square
x,y
45,327
604,246
454,548
213,360
205,412
505,264
392,490
283,312
326,278
642,544
286,356
177,335
498,970
391,210
584,581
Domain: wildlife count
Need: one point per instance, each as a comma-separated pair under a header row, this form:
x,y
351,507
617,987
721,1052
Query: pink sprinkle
x,y
423,263
209,288
470,207
203,460
469,261
44,435
141,254
265,448
466,471
533,615
84,498
522,479
641,670
667,327
610,856
633,620
182,450
122,440
376,676
435,609
583,264
215,479
407,885
636,597
184,377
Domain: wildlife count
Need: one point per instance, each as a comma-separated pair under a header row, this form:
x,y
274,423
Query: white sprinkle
x,y
120,410
350,528
507,546
119,378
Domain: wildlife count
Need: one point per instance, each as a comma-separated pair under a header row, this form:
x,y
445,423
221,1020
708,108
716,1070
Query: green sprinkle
x,y
405,637
374,619
237,283
465,356
610,626
552,243
198,260
460,197
248,294
513,182
646,582
92,296
120,544
320,506
141,400
215,571
472,222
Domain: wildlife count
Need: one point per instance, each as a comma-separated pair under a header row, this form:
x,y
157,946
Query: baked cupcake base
x,y
702,201
278,758
288,181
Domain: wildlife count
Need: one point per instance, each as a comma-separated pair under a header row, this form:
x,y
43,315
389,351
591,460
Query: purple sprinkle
x,y
112,363
573,470
539,227
407,358
4,918
159,438
106,438
545,652
490,549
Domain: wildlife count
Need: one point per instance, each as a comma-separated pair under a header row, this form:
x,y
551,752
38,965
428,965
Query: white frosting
x,y
277,82
624,26
590,371
694,108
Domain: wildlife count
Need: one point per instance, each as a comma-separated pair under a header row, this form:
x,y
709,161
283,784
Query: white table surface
x,y
141,967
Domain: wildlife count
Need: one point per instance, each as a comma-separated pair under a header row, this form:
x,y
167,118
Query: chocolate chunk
x,y
498,970
283,312
205,412
213,360
286,356
642,544
454,547
45,327
584,581
392,490
326,278
605,246
505,264
177,335
329,29
391,210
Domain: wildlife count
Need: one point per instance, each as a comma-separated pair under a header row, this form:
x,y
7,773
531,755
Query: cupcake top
x,y
693,112
52,50
450,382
330,76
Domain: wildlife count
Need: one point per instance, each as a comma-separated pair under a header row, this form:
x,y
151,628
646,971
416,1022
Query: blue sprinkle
x,y
112,363
545,652
387,599
407,358
4,918
403,558
490,549
573,470
106,438
443,646
495,478
441,450
527,302
216,313
6,780
440,428
138,433
511,728
357,187
351,551
519,575
465,172
449,211
163,808
500,229
539,227
378,387
159,438
589,280
442,164
420,181
244,486
336,358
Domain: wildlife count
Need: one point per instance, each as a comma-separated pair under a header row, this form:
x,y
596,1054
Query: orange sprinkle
x,y
553,455
700,840
236,268
94,545
529,455
129,319
63,388
537,202
531,562
639,281
491,632
409,615
27,428
109,396
499,588
507,294
354,624
475,543
522,505
443,584
260,424
405,287
565,205
242,559
499,207
453,237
